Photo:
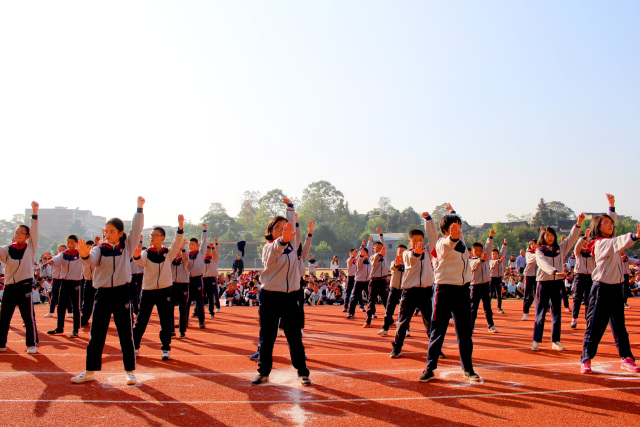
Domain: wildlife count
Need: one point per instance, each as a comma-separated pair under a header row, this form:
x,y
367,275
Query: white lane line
x,y
320,400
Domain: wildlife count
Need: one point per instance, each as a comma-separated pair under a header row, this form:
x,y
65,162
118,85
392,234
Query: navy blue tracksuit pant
x,y
606,305
392,301
496,288
530,287
351,281
161,298
210,289
180,297
195,294
87,302
411,299
110,301
135,287
481,292
276,306
69,291
356,296
18,295
451,301
377,287
581,290
549,296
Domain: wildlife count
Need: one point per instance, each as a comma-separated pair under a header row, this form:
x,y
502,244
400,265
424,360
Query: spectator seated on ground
x,y
315,298
251,296
232,295
519,288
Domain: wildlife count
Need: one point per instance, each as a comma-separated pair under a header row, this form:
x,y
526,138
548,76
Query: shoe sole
x,y
425,380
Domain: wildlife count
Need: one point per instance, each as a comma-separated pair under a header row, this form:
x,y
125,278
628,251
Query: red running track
x,y
354,381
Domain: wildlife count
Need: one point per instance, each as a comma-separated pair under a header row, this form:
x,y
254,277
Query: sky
x,y
487,105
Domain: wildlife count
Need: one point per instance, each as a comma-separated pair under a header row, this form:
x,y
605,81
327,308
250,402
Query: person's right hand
x,y
492,232
419,250
561,275
83,249
311,227
137,252
611,199
288,233
286,201
485,256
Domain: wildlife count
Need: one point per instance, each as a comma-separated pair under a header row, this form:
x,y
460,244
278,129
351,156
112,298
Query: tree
x,y
560,211
320,202
543,216
409,219
384,205
550,213
77,229
271,205
217,220
322,248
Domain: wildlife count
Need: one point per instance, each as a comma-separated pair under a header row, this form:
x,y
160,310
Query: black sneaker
x,y
55,332
442,355
201,325
344,310
305,381
260,380
74,334
426,376
181,335
350,316
395,353
255,356
472,376
173,334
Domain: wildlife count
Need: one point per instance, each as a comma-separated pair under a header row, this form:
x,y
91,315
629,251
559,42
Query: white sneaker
x,y
217,310
82,378
301,333
524,317
408,334
574,323
493,329
131,379
32,350
557,346
383,333
69,314
136,353
3,349
535,346
280,332
166,355
48,315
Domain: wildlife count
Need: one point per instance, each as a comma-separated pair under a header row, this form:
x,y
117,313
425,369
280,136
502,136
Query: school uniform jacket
x,y
452,267
352,268
480,269
306,248
280,260
418,269
531,265
157,264
19,259
550,261
179,271
87,271
495,266
211,263
70,264
363,265
396,275
585,262
112,262
378,261
196,259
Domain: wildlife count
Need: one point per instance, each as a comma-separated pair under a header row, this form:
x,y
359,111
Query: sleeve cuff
x,y
136,258
491,237
139,210
34,216
612,208
290,205
282,243
428,218
180,231
634,237
84,257
310,235
204,230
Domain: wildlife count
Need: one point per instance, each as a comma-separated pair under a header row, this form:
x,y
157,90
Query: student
x,y
197,252
313,266
19,258
55,284
497,272
606,303
335,267
352,268
209,279
89,291
480,282
111,279
378,286
417,282
395,287
550,277
232,295
279,296
70,266
156,286
180,289
530,284
363,270
452,297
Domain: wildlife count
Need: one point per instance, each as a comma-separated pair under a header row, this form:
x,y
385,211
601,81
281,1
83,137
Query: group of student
x,y
440,277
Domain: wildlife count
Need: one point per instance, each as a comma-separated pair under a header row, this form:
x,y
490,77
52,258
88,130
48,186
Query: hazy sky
x,y
488,105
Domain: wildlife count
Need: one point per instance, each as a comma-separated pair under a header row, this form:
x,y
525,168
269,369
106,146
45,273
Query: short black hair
x,y
90,242
160,230
416,232
73,237
495,250
402,247
193,239
447,221
477,245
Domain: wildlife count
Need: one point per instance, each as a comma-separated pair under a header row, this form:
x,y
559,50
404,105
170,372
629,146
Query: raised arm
x,y
203,242
430,230
177,242
34,232
503,249
290,215
136,227
612,207
307,242
215,255
566,246
488,248
580,244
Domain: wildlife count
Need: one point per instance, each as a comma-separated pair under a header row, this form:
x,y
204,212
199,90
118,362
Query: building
x,y
59,222
391,240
